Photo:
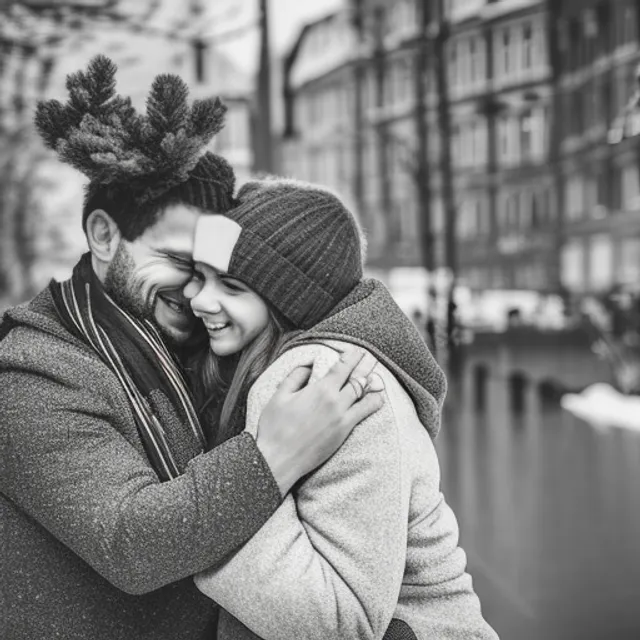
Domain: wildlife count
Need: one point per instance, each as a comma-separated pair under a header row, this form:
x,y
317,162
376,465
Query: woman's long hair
x,y
222,384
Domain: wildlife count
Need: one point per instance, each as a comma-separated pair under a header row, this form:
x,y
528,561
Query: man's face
x,y
147,276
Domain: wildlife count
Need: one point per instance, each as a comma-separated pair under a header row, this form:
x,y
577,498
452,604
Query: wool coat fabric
x,y
92,544
368,537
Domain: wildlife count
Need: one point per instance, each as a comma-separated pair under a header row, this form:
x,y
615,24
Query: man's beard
x,y
128,293
120,283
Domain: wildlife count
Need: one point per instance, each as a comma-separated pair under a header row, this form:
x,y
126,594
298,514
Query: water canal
x,y
549,510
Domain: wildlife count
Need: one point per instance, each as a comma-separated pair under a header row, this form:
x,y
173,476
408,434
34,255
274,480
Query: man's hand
x,y
305,424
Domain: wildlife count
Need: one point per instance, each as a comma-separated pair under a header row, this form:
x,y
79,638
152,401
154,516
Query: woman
x,y
367,538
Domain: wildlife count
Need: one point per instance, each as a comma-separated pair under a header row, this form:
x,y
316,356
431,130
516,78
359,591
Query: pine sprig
x,y
167,107
53,121
207,117
101,134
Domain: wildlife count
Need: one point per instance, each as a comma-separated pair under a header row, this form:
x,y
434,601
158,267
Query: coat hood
x,y
370,318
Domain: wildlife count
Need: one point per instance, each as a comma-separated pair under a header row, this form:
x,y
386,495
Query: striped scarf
x,y
134,350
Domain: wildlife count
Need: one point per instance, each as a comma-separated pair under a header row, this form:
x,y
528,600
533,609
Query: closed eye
x,y
181,263
233,285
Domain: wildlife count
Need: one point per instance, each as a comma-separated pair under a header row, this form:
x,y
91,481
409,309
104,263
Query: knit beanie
x,y
295,244
210,185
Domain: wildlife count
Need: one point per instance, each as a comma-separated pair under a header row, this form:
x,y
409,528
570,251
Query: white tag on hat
x,y
215,239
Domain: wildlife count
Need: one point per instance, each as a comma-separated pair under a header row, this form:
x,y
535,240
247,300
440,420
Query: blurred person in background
x,y
366,543
111,495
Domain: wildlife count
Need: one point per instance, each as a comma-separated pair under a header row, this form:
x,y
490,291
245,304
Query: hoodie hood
x,y
369,317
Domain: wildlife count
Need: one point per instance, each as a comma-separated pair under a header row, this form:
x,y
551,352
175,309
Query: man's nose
x,y
192,288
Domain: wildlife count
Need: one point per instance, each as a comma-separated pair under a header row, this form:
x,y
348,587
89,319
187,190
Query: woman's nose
x,y
205,302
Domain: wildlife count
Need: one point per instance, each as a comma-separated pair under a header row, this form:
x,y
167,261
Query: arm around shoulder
x,y
66,465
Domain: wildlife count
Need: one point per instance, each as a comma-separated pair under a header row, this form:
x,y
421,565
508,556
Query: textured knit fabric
x,y
210,185
92,545
399,630
368,537
298,247
135,351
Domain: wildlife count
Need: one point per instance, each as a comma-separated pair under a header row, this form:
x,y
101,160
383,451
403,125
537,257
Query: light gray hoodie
x,y
367,537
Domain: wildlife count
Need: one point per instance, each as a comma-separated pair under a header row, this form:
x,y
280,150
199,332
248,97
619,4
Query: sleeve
x,y
329,562
65,465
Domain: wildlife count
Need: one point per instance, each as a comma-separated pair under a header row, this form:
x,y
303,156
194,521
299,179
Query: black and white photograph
x,y
319,319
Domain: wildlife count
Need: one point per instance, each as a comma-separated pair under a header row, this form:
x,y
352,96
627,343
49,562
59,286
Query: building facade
x,y
546,189
500,89
599,51
337,101
319,85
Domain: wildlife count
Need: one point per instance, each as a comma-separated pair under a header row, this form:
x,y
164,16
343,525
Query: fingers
x,y
344,368
366,407
365,366
296,380
357,386
374,383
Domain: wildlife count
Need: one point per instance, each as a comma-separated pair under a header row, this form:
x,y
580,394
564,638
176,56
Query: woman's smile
x,y
215,328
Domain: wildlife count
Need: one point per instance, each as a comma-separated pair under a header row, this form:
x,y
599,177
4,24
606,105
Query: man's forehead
x,y
174,230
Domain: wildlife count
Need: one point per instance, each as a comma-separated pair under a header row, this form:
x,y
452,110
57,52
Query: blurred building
x,y
543,200
319,134
499,92
353,105
598,47
333,112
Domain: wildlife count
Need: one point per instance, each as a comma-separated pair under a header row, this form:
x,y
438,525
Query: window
x,y
602,186
503,138
465,223
506,53
474,72
547,212
629,260
456,144
600,262
404,81
482,220
479,143
615,188
527,47
407,15
526,134
577,111
467,145
572,272
453,63
630,188
534,211
513,212
574,198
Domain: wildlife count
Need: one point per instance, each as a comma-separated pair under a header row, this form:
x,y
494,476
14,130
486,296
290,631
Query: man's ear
x,y
103,235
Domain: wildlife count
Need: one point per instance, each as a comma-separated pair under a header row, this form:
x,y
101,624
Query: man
x,y
109,498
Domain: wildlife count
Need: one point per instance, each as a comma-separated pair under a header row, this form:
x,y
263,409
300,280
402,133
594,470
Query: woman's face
x,y
232,313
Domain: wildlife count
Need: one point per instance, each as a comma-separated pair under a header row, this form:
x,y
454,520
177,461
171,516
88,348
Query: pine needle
x,y
101,134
